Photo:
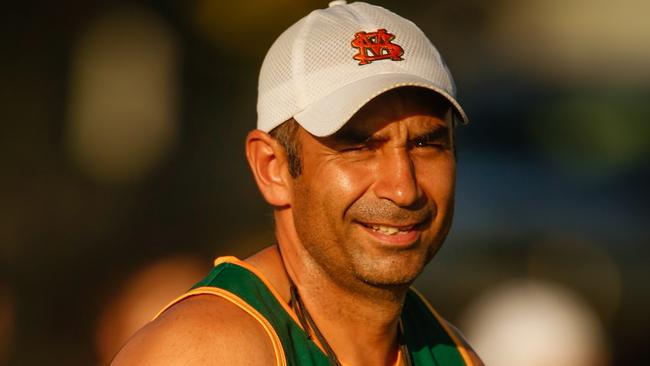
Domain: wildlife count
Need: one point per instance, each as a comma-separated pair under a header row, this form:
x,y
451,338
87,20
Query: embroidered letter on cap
x,y
376,46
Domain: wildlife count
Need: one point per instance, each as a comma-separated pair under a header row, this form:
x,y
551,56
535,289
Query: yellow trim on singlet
x,y
260,275
280,359
459,345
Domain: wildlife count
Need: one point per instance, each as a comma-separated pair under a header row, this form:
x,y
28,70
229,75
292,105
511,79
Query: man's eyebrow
x,y
434,134
351,136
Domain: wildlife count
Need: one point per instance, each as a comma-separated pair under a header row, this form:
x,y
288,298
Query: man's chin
x,y
388,273
389,283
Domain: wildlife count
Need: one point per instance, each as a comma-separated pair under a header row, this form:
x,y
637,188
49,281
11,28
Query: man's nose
x,y
396,178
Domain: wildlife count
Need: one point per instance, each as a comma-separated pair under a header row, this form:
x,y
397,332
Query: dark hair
x,y
287,135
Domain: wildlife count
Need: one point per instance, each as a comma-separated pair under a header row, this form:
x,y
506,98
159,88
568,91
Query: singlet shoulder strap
x,y
429,337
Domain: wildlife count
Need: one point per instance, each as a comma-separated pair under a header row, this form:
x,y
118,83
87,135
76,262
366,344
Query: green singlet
x,y
427,336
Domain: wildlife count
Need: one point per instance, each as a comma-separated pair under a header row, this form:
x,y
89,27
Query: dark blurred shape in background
x,y
121,153
7,321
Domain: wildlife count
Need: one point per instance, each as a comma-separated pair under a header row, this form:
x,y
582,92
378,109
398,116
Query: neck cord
x,y
308,324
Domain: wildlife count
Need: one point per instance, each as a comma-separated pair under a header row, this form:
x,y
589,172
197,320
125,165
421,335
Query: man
x,y
355,153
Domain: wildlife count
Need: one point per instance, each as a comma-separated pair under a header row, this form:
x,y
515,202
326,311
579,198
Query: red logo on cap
x,y
376,46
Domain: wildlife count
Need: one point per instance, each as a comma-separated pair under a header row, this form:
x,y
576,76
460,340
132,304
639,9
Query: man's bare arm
x,y
201,330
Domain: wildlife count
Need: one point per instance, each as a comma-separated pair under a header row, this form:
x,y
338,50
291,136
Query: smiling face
x,y
374,201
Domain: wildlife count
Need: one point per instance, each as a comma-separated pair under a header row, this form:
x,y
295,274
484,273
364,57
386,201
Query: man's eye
x,y
353,148
438,144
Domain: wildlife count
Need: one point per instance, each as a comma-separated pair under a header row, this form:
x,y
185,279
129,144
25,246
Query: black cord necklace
x,y
308,323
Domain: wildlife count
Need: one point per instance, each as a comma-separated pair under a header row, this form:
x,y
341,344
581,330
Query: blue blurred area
x,y
558,174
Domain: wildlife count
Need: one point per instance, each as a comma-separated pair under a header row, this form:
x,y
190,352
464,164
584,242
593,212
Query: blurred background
x,y
122,173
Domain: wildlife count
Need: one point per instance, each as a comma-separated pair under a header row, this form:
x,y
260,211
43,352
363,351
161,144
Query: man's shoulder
x,y
202,329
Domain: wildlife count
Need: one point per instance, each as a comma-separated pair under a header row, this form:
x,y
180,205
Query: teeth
x,y
390,230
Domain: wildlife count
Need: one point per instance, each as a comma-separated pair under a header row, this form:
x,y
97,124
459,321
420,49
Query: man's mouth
x,y
388,229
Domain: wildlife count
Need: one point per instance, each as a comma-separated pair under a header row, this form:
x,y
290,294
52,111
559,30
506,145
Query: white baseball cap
x,y
332,62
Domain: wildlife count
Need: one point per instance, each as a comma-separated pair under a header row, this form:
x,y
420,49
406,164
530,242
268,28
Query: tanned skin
x,y
391,167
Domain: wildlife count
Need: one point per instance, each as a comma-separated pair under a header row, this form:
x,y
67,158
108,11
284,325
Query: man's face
x,y
374,201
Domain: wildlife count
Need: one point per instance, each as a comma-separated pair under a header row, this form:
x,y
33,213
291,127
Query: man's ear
x,y
268,162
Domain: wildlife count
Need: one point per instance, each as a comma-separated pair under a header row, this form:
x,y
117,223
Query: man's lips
x,y
389,229
393,234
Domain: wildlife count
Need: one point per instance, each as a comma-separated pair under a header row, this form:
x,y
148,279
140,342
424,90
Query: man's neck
x,y
359,324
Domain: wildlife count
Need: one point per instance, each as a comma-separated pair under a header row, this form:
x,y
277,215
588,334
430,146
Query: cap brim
x,y
330,113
